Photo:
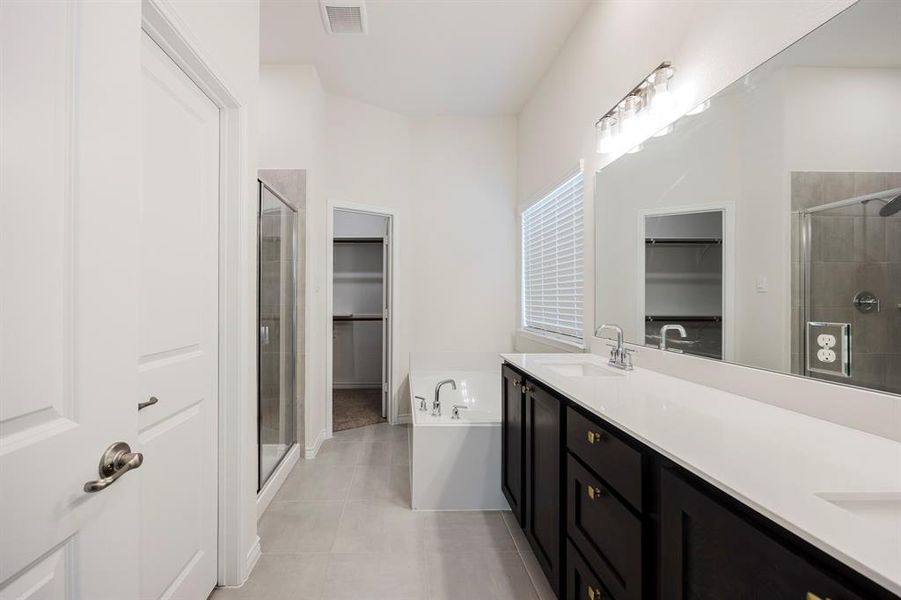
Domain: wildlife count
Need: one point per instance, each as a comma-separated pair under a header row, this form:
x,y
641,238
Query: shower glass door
x,y
851,292
277,331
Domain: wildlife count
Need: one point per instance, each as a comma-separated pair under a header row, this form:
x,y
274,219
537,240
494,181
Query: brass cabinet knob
x,y
516,383
595,593
812,596
594,437
594,492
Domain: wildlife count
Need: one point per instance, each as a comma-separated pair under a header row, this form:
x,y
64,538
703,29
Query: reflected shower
x,y
890,206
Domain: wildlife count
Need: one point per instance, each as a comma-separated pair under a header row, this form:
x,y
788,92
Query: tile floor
x,y
341,527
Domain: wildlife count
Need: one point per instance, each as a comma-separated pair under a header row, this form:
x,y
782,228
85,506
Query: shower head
x,y
891,207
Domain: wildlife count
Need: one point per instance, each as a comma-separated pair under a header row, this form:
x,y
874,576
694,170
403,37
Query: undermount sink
x,y
579,369
883,508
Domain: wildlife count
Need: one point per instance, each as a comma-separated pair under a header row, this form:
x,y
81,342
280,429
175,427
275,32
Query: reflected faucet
x,y
666,329
436,404
620,356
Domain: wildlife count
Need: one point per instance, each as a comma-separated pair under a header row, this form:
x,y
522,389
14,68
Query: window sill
x,y
563,344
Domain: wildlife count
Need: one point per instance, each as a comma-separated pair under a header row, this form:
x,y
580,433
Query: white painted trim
x,y
277,479
253,556
237,291
728,293
310,452
394,301
404,419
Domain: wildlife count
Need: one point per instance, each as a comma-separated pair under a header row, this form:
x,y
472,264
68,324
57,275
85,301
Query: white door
x,y
69,191
177,358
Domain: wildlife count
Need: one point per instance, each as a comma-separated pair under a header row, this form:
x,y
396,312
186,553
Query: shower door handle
x,y
264,334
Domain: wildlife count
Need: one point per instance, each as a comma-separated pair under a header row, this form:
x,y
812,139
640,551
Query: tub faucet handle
x,y
422,405
455,414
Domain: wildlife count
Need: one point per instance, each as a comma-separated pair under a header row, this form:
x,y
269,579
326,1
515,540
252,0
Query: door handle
x,y
150,402
117,460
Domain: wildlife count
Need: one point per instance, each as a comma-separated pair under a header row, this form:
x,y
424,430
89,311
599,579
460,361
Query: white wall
x,y
451,183
617,44
868,140
227,36
464,234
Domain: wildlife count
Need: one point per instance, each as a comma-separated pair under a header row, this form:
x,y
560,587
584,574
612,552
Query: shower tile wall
x,y
852,249
291,184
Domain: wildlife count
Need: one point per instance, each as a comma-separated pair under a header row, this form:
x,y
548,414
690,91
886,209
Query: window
x,y
552,262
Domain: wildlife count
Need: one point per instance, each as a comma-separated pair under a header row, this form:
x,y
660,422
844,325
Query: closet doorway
x,y
360,302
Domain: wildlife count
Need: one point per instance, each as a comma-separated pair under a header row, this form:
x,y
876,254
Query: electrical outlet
x,y
826,341
826,355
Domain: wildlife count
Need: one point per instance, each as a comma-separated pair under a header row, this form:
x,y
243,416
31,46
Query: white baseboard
x,y
404,419
253,556
311,451
277,479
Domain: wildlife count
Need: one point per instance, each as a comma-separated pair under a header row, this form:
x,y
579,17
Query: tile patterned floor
x,y
341,527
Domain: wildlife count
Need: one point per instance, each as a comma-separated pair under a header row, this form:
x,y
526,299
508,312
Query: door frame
x,y
393,289
237,552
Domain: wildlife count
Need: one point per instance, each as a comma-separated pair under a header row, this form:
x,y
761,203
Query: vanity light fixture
x,y
645,111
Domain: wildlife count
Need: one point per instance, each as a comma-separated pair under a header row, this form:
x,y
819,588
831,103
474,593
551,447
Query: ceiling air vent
x,y
344,17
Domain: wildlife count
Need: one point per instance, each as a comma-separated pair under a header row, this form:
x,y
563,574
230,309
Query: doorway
x,y
360,284
683,270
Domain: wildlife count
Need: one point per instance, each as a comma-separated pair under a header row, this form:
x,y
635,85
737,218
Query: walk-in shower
x,y
277,387
849,324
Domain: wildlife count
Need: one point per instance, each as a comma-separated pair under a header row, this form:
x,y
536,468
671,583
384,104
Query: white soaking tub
x,y
455,464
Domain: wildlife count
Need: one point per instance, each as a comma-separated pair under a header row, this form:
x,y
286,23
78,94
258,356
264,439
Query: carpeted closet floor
x,y
356,408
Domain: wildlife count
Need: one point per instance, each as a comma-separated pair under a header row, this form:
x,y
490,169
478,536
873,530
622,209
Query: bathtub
x,y
455,464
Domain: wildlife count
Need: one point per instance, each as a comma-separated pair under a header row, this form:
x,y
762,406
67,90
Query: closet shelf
x,y
696,318
683,241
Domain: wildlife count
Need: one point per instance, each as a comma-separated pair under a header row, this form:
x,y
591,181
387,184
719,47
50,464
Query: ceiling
x,y
427,57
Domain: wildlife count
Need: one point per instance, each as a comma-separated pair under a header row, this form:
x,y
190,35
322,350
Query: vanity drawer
x,y
581,581
618,464
606,532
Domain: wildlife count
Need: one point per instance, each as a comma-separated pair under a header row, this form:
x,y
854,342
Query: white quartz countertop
x,y
836,487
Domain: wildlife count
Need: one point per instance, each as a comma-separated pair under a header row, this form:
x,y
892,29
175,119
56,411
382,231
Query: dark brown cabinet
x,y
514,440
709,552
544,507
610,518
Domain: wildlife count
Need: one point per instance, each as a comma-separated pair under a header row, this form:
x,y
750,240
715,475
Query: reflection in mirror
x,y
683,282
767,223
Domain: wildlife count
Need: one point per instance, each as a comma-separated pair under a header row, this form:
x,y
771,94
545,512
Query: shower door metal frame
x,y
262,185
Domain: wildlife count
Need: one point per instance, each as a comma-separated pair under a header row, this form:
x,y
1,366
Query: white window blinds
x,y
552,262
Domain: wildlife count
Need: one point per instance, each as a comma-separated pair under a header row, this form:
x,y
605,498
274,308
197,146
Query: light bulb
x,y
606,133
699,108
665,131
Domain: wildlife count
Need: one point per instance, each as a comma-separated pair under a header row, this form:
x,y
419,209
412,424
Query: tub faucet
x,y
436,404
667,328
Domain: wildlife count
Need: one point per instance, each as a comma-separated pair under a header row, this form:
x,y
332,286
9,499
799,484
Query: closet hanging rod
x,y
357,318
361,240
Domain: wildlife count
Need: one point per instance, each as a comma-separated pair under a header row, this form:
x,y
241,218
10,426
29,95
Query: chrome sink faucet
x,y
666,329
620,356
436,404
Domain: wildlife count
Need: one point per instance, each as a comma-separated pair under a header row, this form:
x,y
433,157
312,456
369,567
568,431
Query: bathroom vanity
x,y
636,485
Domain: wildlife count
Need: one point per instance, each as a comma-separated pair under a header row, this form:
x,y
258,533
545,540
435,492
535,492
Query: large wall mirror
x,y
765,228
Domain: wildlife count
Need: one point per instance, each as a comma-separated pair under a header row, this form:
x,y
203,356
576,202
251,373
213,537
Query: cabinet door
x,y
707,551
513,445
544,509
